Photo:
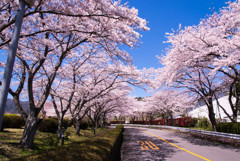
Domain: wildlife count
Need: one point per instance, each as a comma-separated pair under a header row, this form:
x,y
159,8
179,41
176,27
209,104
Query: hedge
x,y
203,123
51,124
12,121
48,125
229,127
83,125
101,148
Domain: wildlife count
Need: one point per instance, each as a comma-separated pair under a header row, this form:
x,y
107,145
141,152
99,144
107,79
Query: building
x,y
201,109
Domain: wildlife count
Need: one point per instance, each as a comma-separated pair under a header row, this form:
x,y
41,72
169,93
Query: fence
x,y
201,132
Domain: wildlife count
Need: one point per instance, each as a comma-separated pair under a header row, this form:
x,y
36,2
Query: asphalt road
x,y
142,144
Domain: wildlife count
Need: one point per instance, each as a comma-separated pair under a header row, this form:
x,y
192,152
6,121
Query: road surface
x,y
143,144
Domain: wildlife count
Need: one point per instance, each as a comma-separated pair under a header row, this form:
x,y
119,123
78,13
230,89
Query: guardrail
x,y
201,132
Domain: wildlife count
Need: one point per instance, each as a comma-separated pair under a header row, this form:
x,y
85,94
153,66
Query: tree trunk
x,y
171,116
211,114
235,108
99,125
29,131
60,129
94,128
234,118
19,107
77,128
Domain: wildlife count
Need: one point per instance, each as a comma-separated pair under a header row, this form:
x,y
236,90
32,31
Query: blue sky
x,y
162,17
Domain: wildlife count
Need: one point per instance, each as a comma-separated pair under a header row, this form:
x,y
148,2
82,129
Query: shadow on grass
x,y
95,149
4,153
7,135
77,148
4,149
49,140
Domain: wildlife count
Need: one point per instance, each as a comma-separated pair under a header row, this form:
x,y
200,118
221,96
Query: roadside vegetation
x,y
48,147
201,124
225,127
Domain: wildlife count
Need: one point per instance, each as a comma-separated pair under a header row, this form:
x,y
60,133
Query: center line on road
x,y
175,145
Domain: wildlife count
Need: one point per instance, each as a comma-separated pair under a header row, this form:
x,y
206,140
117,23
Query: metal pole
x,y
11,58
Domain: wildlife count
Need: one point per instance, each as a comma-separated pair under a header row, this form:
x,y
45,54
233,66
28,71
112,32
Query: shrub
x,y
12,121
229,127
6,123
50,140
83,125
203,123
90,124
65,122
194,122
17,121
49,125
119,127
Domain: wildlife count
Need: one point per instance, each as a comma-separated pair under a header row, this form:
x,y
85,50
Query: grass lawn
x,y
10,138
104,147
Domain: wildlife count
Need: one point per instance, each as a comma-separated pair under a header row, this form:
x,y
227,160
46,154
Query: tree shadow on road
x,y
136,147
205,141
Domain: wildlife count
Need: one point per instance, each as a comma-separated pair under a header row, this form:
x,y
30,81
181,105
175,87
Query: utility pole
x,y
10,59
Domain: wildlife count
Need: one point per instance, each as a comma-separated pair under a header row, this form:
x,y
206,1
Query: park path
x,y
143,144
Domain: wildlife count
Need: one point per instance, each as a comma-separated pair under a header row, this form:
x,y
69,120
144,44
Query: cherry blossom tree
x,y
205,58
199,82
169,103
135,108
222,40
52,30
114,101
125,110
68,82
151,110
103,82
84,79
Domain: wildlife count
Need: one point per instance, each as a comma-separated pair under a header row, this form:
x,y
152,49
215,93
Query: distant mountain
x,y
10,106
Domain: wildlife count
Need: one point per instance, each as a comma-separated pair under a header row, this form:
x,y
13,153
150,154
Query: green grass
x,y
99,148
10,138
200,128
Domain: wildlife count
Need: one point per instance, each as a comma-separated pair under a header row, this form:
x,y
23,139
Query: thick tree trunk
x,y
211,114
234,118
29,131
